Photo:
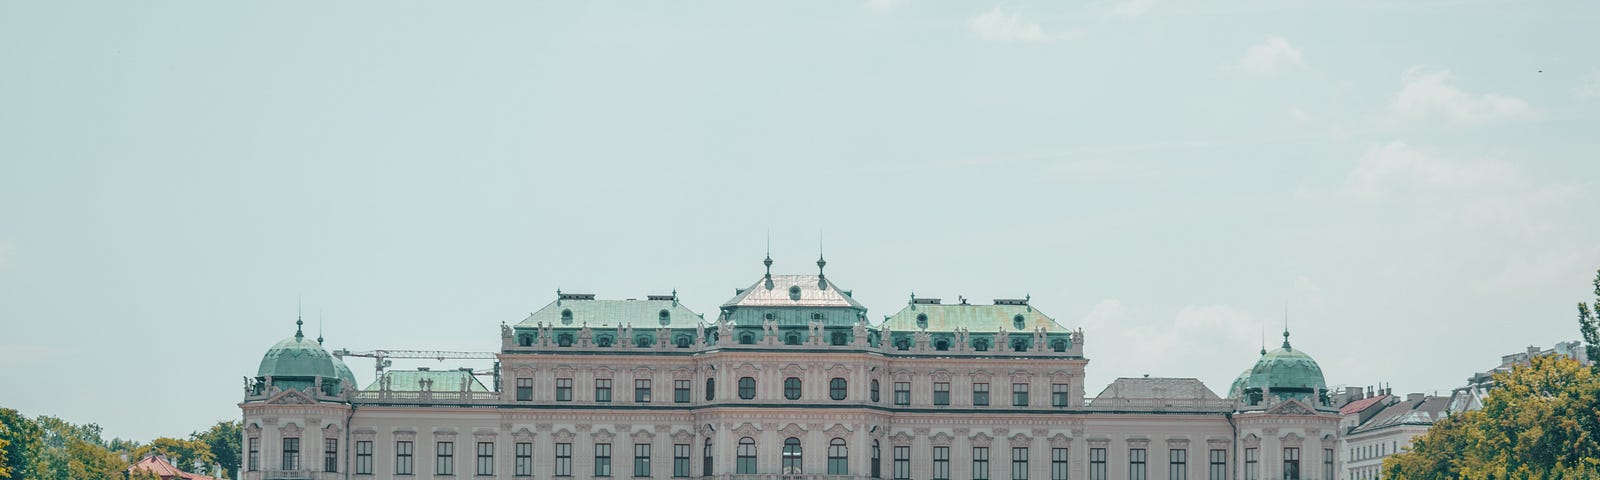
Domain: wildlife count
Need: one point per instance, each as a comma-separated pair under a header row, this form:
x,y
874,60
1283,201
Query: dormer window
x,y
922,321
566,316
1018,322
794,292
666,317
816,316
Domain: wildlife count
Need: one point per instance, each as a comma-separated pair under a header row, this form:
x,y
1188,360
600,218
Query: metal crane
x,y
382,356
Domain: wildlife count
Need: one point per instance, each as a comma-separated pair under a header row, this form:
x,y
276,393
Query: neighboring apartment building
x,y
1470,397
789,380
1381,425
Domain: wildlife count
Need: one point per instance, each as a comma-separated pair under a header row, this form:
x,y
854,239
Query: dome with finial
x,y
298,358
1286,372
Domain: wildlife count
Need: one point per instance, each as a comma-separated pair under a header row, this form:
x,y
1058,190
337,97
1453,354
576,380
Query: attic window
x,y
816,316
1018,322
922,321
566,316
666,317
794,292
769,316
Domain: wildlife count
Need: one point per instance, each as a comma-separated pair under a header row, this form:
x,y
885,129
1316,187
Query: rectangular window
x,y
1058,464
1177,464
1136,464
941,463
641,390
403,457
641,460
1219,465
444,458
902,463
1019,394
680,459
485,458
563,389
602,390
291,453
941,393
980,463
980,394
1291,463
330,454
524,389
364,457
1058,394
902,393
1097,464
680,391
1019,463
1327,463
524,466
254,461
563,460
602,459
1251,458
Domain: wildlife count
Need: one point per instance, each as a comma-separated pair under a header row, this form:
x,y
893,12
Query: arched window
x,y
705,461
665,317
902,343
877,461
1019,345
792,456
791,388
1018,322
566,316
525,340
643,341
684,341
747,388
874,390
922,321
839,338
747,338
793,338
711,389
838,457
603,340
941,345
746,456
837,388
981,344
1058,345
564,340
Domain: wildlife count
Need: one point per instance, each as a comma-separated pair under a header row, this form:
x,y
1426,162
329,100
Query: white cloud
x,y
885,5
1132,8
1134,341
1299,115
1590,89
1398,168
997,25
1429,93
1271,57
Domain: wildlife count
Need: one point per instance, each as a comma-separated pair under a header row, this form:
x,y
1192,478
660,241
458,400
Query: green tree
x,y
223,438
24,444
64,442
90,461
1538,421
1587,324
182,453
5,472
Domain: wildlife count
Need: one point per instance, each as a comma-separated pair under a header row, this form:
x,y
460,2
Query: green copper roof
x,y
974,318
345,374
1286,369
575,310
1237,388
793,291
297,357
442,381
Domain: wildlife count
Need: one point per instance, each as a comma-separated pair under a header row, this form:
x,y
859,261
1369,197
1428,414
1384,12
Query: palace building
x,y
789,379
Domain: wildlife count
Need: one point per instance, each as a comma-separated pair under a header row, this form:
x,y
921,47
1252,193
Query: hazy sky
x,y
1414,181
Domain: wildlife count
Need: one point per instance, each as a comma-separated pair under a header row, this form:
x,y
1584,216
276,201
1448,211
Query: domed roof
x,y
345,374
1237,389
297,357
1286,369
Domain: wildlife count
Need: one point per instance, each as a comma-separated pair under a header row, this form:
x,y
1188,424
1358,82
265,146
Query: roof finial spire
x,y
299,319
820,261
768,260
1286,326
1263,338
319,326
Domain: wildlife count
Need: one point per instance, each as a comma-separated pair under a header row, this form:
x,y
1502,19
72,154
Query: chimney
x,y
1413,398
1533,351
1353,393
1369,392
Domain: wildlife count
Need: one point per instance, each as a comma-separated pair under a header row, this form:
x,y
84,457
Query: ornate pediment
x,y
981,440
1293,439
522,435
1060,376
602,436
900,438
746,430
838,370
291,397
837,430
643,436
564,436
1020,440
290,430
793,370
941,375
1060,441
682,373
980,375
792,430
941,439
1291,407
253,429
331,430
682,436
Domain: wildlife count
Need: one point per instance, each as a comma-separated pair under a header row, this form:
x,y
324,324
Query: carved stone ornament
x,y
682,436
1293,440
404,434
900,439
746,430
980,376
941,375
1251,440
682,373
838,370
1291,407
331,430
793,370
643,436
290,430
291,397
981,440
1020,440
792,430
837,430
253,429
1099,442
1060,376
523,435
602,436
1177,443
1060,441
941,439
564,436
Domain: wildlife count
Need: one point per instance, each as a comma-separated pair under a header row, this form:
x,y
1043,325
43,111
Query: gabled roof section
x,y
1422,413
575,310
974,318
1362,404
440,381
158,465
793,291
1153,388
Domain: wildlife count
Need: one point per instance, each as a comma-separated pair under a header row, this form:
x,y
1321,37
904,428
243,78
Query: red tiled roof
x,y
164,469
1360,405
